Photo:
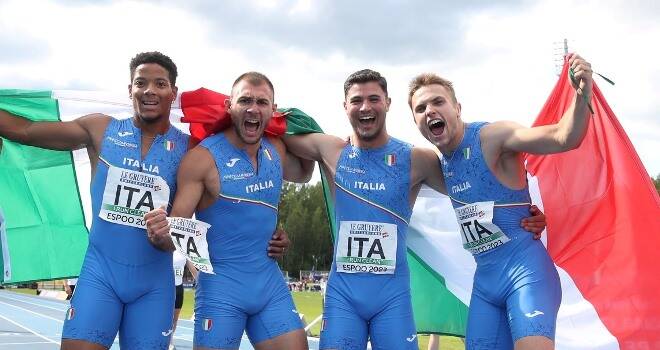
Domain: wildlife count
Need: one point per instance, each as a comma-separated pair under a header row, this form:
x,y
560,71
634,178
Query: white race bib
x,y
129,194
366,247
477,229
189,238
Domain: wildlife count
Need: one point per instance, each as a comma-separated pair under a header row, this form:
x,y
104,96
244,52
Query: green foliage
x,y
303,216
656,181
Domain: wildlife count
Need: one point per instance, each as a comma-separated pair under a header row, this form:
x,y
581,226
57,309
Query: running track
x,y
35,323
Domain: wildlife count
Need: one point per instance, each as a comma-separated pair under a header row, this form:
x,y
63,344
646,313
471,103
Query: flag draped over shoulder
x,y
603,217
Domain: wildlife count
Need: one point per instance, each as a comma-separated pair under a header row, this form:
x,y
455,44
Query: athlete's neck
x,y
151,129
250,148
455,140
378,141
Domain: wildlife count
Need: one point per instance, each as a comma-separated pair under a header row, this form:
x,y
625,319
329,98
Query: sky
x,y
501,55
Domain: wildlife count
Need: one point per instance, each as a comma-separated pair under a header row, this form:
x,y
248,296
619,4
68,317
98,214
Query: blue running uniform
x,y
247,291
126,284
516,291
368,291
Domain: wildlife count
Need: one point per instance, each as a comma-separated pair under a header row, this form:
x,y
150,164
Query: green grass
x,y
22,290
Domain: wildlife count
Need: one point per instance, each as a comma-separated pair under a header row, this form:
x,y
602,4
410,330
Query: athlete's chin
x,y
150,118
251,139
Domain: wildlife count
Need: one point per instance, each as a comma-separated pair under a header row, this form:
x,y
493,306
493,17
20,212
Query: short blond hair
x,y
426,79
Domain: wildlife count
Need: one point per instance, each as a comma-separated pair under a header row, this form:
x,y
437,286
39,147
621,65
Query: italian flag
x,y
603,217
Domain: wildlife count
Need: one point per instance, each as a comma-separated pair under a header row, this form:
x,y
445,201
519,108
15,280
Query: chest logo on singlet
x,y
461,187
478,231
364,246
370,186
259,186
121,143
129,194
135,163
124,133
232,162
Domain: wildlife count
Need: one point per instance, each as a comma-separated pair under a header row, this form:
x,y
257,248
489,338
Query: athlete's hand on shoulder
x,y
279,244
535,223
158,229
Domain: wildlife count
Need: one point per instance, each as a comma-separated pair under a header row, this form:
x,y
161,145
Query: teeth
x,y
252,121
150,103
436,123
368,117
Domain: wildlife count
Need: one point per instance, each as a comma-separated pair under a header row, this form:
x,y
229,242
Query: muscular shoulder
x,y
197,161
423,157
493,135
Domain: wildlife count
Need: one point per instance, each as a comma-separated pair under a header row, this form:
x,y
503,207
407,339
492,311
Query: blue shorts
x,y
513,298
136,301
384,318
226,304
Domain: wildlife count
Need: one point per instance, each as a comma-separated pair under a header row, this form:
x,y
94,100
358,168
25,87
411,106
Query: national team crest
x,y
207,324
70,313
169,145
390,159
268,154
466,153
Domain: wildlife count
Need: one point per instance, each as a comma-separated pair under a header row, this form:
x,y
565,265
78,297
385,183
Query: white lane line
x,y
35,304
32,312
30,343
34,298
31,331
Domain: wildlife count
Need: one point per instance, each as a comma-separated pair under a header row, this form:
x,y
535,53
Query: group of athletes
x,y
233,179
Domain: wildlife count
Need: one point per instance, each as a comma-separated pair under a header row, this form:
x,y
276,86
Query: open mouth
x,y
367,120
251,126
436,126
149,104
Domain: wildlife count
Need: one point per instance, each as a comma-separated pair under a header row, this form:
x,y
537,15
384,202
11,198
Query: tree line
x,y
303,215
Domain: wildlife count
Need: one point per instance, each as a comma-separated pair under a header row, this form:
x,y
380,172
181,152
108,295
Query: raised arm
x,y
194,179
567,134
70,135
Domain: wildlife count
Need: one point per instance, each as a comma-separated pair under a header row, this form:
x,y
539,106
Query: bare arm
x,y
194,173
426,169
54,135
567,134
294,169
313,146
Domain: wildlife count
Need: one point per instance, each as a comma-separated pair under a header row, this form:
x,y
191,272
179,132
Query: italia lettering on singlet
x,y
366,247
129,194
189,238
478,231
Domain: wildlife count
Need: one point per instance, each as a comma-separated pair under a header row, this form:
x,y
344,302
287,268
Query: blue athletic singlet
x,y
516,291
368,291
247,291
126,284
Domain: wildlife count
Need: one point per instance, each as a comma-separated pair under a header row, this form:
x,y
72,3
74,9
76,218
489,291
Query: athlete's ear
x,y
228,103
388,101
130,91
458,110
